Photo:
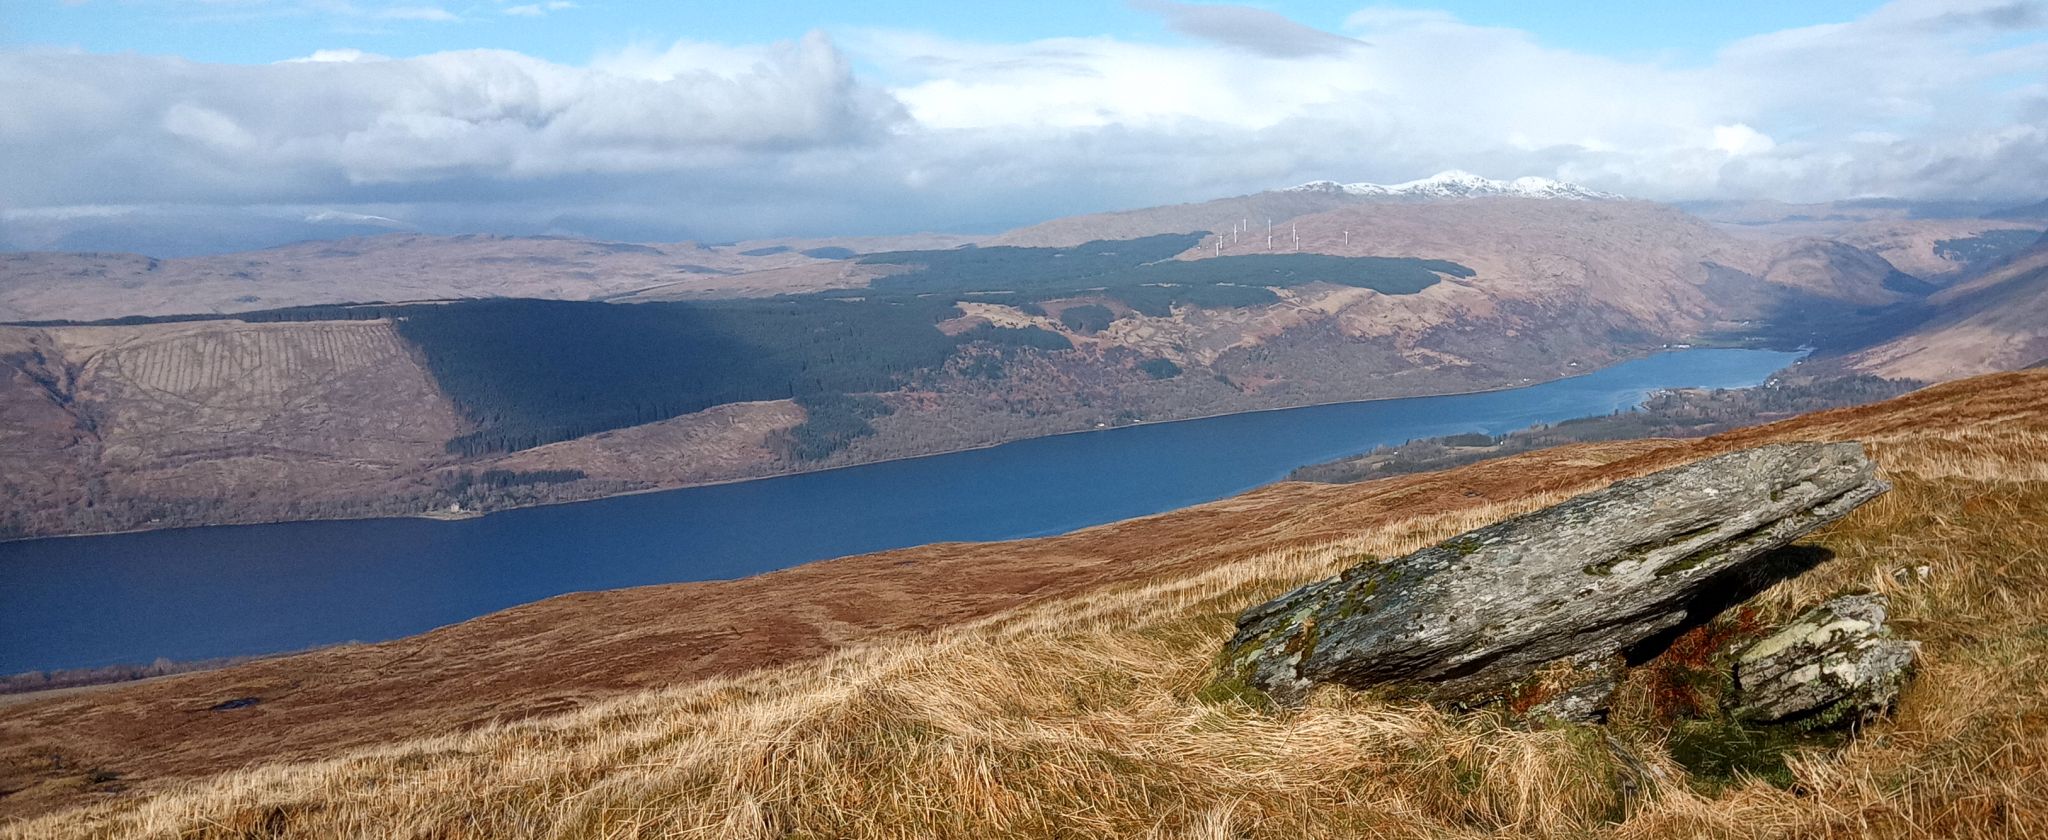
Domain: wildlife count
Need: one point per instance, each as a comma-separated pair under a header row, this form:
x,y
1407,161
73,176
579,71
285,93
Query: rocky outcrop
x,y
1835,662
1542,607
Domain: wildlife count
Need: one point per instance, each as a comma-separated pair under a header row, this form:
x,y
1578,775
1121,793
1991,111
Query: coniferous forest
x,y
530,372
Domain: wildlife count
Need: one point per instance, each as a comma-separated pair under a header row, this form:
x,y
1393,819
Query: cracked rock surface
x,y
1833,662
1471,619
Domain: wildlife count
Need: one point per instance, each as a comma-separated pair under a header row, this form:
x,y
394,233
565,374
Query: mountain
x,y
1456,183
801,355
1939,251
2036,210
1767,211
1628,265
1996,321
1247,216
1842,272
412,266
1030,688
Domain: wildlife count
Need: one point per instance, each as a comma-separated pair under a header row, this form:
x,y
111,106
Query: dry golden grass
x,y
1078,717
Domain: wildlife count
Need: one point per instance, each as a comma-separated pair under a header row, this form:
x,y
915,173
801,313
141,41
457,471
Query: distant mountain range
x,y
1457,183
2037,210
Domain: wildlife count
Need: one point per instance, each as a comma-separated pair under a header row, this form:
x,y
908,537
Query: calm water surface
x,y
251,589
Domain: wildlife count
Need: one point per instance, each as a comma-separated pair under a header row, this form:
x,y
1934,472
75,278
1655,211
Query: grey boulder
x,y
1567,589
1834,663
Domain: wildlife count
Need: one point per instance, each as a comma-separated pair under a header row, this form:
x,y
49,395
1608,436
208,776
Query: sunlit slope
x,y
1049,687
1995,321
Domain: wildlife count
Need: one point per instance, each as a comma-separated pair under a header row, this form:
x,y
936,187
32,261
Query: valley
x,y
207,593
554,420
542,393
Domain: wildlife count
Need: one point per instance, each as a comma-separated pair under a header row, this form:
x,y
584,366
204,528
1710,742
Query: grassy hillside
x,y
1074,712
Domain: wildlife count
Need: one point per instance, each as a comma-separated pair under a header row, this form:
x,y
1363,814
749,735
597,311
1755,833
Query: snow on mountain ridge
x,y
1457,183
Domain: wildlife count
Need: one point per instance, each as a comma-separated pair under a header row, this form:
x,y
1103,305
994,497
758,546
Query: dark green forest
x,y
1159,368
1086,318
832,421
1990,245
529,372
1038,338
1141,273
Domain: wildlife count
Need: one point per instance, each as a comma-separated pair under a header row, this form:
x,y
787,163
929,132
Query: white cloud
x,y
1740,139
337,55
538,9
171,126
1920,99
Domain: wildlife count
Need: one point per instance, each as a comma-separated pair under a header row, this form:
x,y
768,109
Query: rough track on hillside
x,y
1574,586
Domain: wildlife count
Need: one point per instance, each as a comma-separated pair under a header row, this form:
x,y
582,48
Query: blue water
x,y
251,589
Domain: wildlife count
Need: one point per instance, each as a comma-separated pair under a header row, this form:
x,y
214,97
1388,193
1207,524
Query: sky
x,y
186,126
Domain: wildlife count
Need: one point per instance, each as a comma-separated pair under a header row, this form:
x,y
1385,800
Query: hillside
x,y
1649,264
38,286
176,424
1934,250
1994,321
769,358
1022,689
120,426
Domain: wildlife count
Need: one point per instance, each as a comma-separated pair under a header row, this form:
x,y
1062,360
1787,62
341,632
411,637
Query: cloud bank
x,y
1920,99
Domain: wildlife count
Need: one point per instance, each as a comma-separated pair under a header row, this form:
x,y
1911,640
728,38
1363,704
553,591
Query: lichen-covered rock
x,y
1834,662
1471,619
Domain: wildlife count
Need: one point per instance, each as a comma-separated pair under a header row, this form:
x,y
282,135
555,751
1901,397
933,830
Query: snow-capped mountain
x,y
1460,184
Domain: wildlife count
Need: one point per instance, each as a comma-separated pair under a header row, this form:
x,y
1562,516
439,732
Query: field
x,y
1073,710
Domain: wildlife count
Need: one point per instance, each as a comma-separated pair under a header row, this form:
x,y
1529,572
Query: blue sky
x,y
167,125
252,31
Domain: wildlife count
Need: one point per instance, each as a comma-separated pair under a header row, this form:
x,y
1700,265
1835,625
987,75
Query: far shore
x,y
456,516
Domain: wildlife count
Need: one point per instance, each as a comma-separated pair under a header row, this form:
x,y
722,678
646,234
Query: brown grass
x,y
1076,716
